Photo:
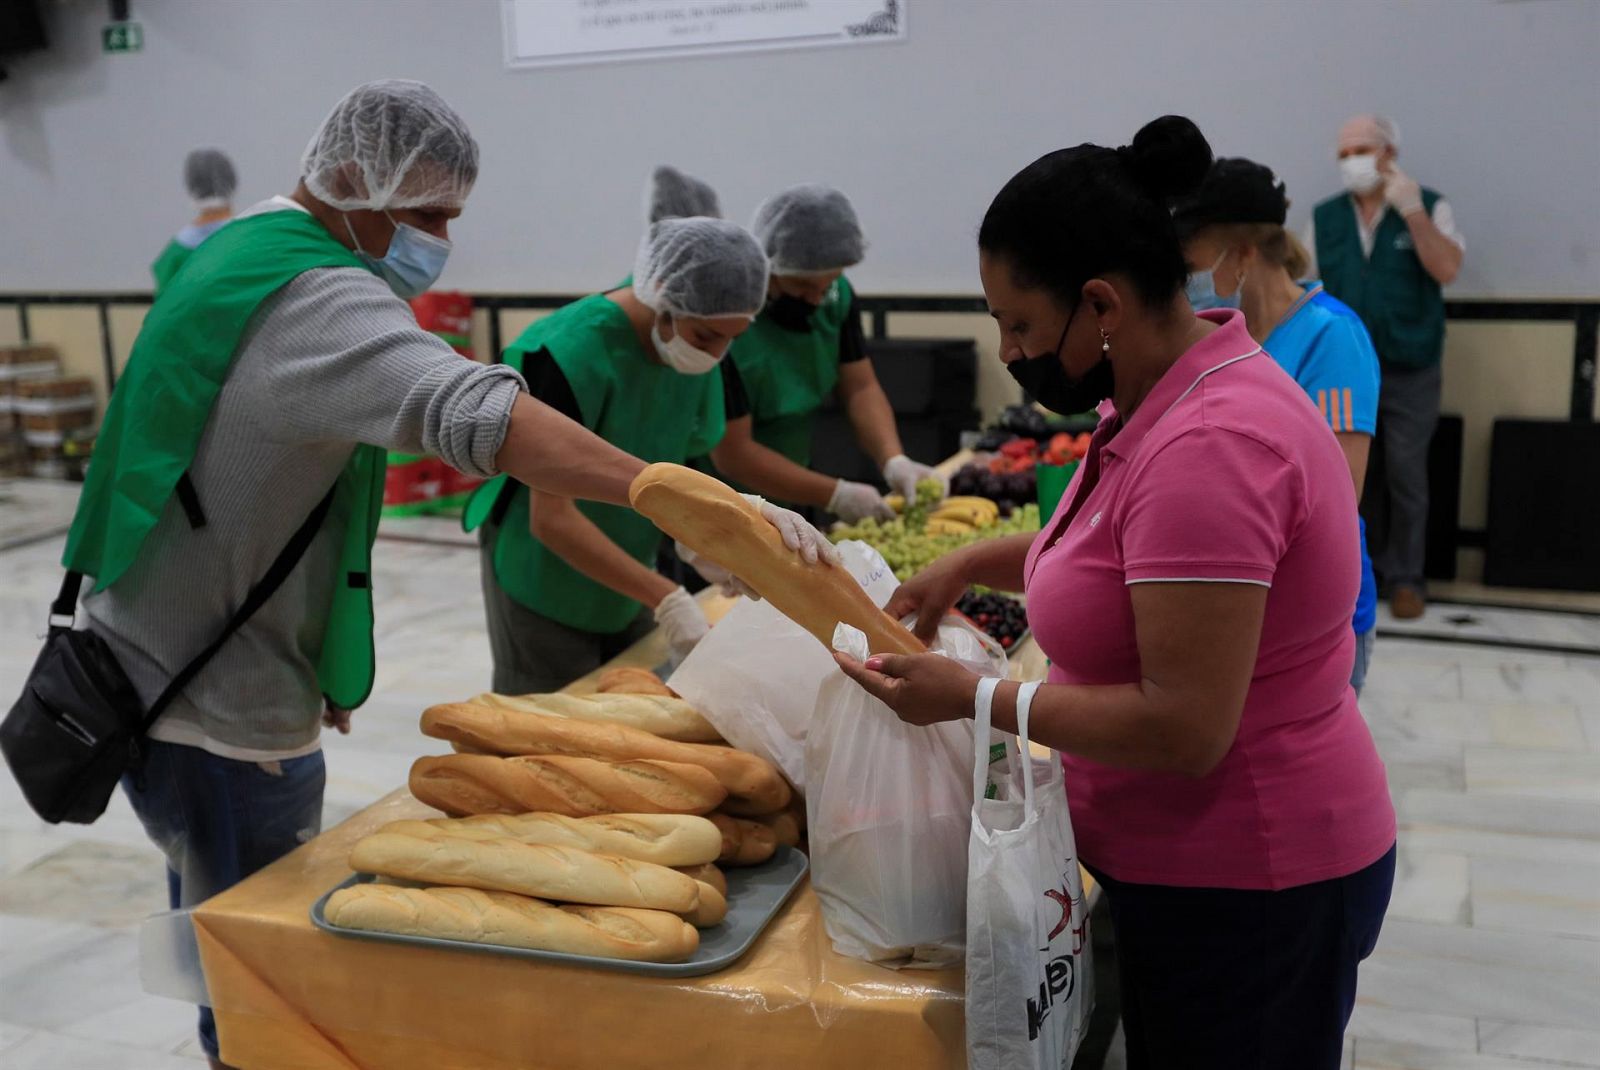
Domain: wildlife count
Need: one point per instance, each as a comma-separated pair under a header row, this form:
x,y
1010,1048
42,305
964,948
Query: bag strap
x,y
1025,695
285,562
64,610
982,717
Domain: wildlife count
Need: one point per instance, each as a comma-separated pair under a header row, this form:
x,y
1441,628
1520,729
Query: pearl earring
x,y
1105,342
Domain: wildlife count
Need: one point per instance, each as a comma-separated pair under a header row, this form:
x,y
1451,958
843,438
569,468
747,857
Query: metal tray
x,y
755,894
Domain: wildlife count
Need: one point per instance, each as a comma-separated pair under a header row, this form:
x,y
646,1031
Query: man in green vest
x,y
268,378
806,343
1386,247
209,176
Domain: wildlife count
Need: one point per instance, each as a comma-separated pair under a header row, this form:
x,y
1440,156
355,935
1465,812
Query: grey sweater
x,y
332,360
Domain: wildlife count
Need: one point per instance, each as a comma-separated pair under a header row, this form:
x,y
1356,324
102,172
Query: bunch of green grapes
x,y
908,549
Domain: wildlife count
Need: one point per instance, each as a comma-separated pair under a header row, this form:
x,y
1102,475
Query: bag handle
x,y
982,716
1025,706
279,570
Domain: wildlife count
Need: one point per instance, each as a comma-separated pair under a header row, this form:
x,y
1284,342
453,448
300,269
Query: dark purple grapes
x,y
1003,618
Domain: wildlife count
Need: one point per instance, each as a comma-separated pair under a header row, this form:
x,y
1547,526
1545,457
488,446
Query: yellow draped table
x,y
289,996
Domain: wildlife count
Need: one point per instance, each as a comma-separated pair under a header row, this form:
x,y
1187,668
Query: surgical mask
x,y
1360,173
1201,289
1047,382
679,355
790,312
414,262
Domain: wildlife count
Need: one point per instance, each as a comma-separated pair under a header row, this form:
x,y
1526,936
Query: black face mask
x,y
1046,381
791,313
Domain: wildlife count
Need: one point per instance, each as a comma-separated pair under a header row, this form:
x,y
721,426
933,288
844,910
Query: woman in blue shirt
x,y
1241,257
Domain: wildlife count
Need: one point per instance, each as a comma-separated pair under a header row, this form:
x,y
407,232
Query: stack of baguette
x,y
624,886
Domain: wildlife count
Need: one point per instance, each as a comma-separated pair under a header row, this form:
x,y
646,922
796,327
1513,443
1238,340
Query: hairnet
x,y
700,267
208,174
391,144
1235,190
809,230
1369,129
672,194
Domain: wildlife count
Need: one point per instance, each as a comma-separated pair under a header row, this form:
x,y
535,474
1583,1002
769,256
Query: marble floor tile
x,y
1538,727
1414,762
1546,897
1384,1055
1512,681
1570,775
1373,1022
1561,818
1567,1047
11,1035
21,847
1433,721
97,883
54,1051
68,977
149,1022
1430,887
1417,679
1481,844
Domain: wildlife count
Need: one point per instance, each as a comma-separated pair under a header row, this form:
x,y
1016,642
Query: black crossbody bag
x,y
79,724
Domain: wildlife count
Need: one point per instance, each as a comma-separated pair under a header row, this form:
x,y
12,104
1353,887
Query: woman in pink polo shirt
x,y
1194,594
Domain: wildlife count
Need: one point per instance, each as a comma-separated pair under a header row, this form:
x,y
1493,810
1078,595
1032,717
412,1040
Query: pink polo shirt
x,y
1226,473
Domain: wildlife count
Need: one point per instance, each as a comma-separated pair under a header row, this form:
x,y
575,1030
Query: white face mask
x,y
1360,173
679,355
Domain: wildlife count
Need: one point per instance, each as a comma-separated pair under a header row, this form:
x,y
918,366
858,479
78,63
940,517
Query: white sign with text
x,y
545,33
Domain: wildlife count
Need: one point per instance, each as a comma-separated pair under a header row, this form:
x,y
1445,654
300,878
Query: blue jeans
x,y
218,820
1365,641
1227,979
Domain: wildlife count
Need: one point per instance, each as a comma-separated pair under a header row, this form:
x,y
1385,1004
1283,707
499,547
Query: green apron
x,y
167,264
160,407
788,374
632,402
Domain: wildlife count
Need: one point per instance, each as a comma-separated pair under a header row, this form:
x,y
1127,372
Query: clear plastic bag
x,y
888,808
755,677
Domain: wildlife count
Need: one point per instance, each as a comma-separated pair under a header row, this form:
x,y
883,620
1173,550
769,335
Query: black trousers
x,y
1225,979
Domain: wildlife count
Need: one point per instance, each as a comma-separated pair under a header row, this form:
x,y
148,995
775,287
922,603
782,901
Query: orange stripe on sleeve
x,y
1333,410
1349,412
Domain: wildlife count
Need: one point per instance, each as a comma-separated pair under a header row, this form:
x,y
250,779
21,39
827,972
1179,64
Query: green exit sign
x,y
122,37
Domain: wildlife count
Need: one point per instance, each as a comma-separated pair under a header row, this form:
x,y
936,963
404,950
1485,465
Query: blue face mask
x,y
414,262
1202,289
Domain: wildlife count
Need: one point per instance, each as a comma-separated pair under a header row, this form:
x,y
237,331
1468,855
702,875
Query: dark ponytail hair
x,y
1085,212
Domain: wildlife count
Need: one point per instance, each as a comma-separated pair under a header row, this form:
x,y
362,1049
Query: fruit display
x,y
1003,618
914,540
1008,477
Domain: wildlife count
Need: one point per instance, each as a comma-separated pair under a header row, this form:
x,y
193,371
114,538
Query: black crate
x,y
926,375
929,439
1544,505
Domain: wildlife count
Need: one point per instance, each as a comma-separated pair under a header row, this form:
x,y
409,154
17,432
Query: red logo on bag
x,y
1065,900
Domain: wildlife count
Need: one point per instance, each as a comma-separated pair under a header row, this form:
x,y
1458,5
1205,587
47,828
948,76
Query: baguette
x,y
625,681
465,784
665,839
708,874
711,909
660,715
744,843
481,917
754,782
717,523
785,829
431,856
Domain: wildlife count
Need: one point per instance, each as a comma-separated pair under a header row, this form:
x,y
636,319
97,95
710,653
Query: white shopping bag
x,y
1029,976
887,806
755,677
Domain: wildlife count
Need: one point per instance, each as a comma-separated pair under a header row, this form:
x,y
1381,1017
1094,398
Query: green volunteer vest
x,y
632,402
159,409
788,374
1401,304
167,264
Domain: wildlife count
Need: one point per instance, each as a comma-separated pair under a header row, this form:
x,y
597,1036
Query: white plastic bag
x,y
755,677
1029,976
888,806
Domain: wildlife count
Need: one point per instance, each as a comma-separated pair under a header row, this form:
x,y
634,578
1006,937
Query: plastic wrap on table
x,y
290,997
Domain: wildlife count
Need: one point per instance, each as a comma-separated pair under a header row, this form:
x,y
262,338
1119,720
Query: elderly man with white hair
x,y
1386,247
229,515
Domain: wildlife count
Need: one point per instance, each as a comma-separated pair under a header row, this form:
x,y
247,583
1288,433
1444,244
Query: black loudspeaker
x,y
1544,505
1444,500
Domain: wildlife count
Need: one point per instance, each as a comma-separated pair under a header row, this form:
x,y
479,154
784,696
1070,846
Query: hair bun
x,y
1169,157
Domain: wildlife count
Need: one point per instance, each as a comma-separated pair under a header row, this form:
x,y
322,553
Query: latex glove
x,y
1402,192
727,582
798,535
683,621
903,474
858,501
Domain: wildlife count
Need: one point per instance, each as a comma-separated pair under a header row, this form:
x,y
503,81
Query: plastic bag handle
x,y
1024,705
982,715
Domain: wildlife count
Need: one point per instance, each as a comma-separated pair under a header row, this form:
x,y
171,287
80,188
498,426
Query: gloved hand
x,y
1402,192
683,621
903,474
857,501
798,535
730,585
